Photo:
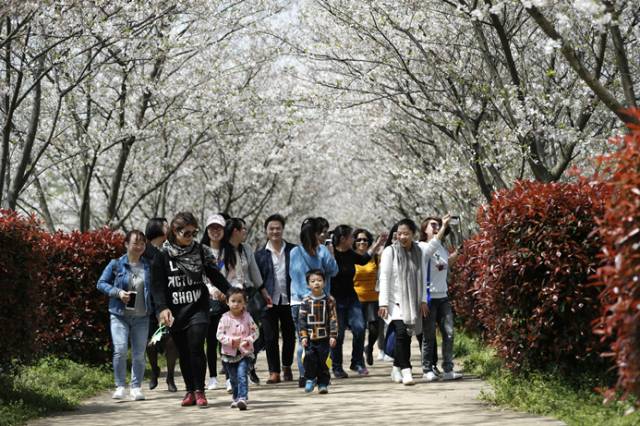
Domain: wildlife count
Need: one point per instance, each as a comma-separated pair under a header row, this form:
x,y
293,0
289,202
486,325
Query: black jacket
x,y
265,264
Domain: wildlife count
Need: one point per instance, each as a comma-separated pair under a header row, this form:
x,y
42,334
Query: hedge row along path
x,y
371,400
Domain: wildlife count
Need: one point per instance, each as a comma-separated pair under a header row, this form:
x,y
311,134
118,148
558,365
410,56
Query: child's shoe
x,y
242,404
323,389
308,387
234,404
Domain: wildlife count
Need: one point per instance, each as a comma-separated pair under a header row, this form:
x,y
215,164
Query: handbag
x,y
256,305
390,340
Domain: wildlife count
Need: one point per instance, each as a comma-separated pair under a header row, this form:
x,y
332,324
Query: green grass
x,y
48,386
546,393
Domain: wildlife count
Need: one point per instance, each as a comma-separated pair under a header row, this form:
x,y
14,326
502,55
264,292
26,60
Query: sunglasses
x,y
188,234
362,240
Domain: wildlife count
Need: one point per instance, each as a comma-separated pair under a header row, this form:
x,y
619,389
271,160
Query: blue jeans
x,y
349,313
295,314
124,328
238,375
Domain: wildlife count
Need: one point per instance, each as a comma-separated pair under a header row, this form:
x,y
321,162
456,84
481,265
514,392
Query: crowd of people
x,y
172,294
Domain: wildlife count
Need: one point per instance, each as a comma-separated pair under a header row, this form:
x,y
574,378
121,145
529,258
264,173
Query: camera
x,y
327,242
454,220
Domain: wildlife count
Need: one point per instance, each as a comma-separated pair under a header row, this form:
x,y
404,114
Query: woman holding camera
x,y
127,283
436,259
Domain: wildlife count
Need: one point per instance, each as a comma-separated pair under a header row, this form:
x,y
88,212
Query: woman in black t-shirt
x,y
182,299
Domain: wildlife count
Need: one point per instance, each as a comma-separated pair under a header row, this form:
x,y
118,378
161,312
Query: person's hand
x,y
424,309
382,238
383,312
235,342
269,301
331,250
305,342
166,318
445,220
124,296
221,297
244,343
332,342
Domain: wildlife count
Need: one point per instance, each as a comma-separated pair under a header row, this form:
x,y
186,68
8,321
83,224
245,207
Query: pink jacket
x,y
230,327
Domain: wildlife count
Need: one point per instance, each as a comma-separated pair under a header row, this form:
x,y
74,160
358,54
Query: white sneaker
x,y
407,378
396,375
380,356
228,386
387,358
430,376
451,375
136,394
213,383
119,393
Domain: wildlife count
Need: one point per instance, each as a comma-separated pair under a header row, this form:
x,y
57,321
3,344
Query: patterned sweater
x,y
318,318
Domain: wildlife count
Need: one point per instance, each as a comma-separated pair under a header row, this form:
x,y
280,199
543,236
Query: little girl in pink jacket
x,y
236,334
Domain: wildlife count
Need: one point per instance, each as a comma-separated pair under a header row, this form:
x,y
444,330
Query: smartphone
x,y
131,304
327,242
454,220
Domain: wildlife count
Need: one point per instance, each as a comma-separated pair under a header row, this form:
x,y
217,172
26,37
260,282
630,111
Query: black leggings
x,y
190,343
212,345
402,350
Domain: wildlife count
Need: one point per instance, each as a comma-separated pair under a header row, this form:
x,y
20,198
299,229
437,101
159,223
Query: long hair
x,y
229,251
392,231
180,221
308,238
339,232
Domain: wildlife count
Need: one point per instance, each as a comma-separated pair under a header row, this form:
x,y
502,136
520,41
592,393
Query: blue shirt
x,y
301,262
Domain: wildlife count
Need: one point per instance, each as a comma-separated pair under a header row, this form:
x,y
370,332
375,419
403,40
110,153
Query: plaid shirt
x,y
318,318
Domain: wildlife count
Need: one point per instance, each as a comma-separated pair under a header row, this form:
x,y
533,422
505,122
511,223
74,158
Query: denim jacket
x,y
115,277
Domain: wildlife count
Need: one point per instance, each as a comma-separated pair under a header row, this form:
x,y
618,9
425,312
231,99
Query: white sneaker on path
x,y
407,378
396,375
136,394
451,375
119,393
430,376
213,383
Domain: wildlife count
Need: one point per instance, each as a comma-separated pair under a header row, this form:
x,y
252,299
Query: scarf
x,y
411,285
189,259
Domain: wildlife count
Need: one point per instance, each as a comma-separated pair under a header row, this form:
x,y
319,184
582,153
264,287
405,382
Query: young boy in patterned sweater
x,y
318,332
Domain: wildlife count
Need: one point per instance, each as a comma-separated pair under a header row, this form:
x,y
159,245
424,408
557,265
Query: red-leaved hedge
x,y
538,250
464,287
619,278
74,314
20,262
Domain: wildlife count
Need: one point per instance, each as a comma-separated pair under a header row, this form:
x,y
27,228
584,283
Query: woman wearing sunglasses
x,y
364,283
182,299
348,306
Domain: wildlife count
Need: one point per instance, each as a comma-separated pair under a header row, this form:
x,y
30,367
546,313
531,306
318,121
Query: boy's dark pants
x,y
315,361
